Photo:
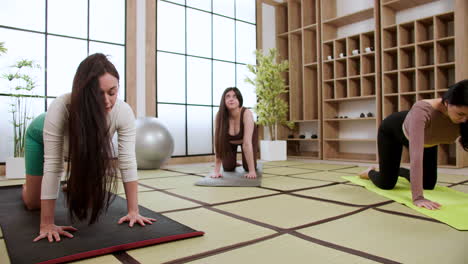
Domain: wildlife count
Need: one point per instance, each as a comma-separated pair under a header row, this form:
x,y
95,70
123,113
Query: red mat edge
x,y
108,250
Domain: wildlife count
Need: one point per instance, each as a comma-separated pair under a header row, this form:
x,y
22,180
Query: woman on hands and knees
x,y
235,126
427,124
80,126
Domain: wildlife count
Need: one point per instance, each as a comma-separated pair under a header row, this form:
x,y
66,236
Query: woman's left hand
x,y
251,175
133,218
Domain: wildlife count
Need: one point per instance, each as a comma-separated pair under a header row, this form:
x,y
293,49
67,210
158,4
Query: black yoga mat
x,y
20,227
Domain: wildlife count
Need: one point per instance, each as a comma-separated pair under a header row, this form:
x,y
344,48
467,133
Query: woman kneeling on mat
x,y
235,126
427,124
80,126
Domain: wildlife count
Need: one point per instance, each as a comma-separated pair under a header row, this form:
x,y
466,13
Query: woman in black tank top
x,y
235,127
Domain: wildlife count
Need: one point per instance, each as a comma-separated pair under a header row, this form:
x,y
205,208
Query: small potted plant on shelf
x,y
271,108
21,84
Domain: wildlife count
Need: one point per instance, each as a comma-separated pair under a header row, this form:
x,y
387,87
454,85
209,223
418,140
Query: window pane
x,y
245,10
68,17
245,42
223,38
171,78
63,57
247,90
224,76
107,20
198,33
173,116
26,14
224,7
36,106
22,45
198,81
116,54
200,4
199,130
171,27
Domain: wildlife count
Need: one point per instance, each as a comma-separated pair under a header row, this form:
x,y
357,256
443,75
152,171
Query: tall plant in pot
x,y
21,84
271,108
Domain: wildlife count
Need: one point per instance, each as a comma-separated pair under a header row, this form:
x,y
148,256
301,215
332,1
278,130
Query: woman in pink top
x,y
427,124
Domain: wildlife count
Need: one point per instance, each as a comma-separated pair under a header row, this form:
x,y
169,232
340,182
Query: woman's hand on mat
x,y
134,217
216,175
251,175
53,232
427,204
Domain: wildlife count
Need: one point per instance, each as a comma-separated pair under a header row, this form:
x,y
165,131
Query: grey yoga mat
x,y
233,179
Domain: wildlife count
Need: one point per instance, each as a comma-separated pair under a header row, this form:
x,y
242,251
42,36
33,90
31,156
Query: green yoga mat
x,y
454,210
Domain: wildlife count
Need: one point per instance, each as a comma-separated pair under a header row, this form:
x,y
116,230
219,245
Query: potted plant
x,y
21,86
271,108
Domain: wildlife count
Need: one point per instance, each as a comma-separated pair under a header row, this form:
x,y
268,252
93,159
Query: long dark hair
x,y
222,124
91,172
457,95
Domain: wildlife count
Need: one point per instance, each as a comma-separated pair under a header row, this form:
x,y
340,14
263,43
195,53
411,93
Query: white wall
x,y
268,37
269,27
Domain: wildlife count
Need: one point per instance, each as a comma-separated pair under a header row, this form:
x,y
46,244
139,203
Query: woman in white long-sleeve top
x,y
80,127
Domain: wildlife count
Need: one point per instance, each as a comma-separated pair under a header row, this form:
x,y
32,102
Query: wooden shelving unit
x,y
298,40
421,59
350,75
409,61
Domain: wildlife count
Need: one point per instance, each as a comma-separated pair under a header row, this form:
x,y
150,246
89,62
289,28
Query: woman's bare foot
x,y
365,174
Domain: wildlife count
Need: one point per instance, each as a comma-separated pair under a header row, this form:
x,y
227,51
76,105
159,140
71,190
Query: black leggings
x,y
230,161
390,140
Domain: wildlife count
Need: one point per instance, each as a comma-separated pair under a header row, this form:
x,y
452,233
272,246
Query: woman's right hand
x,y
52,232
216,174
428,204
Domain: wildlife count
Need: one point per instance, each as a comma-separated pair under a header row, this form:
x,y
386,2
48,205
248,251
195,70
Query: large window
x,y
58,35
203,47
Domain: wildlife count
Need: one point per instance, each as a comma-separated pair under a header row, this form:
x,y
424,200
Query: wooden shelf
x,y
303,139
305,121
369,97
349,119
298,35
311,64
310,27
410,61
351,18
350,140
399,5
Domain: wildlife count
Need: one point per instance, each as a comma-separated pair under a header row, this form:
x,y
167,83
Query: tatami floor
x,y
303,213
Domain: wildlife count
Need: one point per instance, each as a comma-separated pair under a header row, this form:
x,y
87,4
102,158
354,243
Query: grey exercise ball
x,y
154,143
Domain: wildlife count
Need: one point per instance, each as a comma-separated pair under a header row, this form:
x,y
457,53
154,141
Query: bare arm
x,y
218,161
247,145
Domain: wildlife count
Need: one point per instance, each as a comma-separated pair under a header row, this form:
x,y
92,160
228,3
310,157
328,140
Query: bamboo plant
x,y
3,50
21,92
271,108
